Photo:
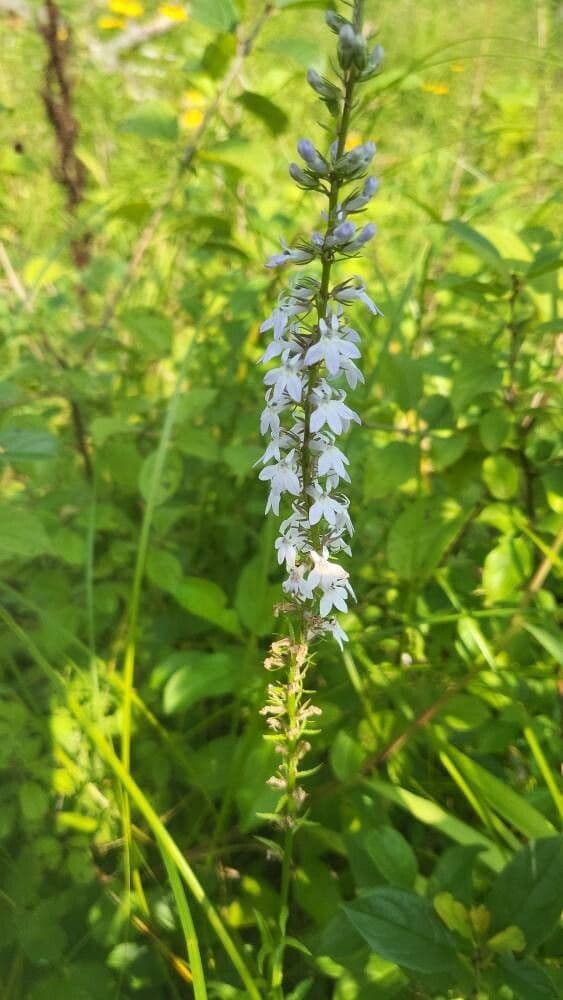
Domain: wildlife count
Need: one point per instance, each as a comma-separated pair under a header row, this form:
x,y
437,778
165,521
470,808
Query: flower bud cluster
x,y
289,713
316,353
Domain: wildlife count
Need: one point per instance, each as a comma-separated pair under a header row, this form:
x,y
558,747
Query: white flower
x,y
334,597
297,584
351,293
327,507
336,631
270,416
326,574
332,459
352,372
286,378
331,347
276,322
283,479
287,551
335,413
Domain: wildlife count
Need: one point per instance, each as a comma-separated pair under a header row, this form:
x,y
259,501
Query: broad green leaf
x,y
21,534
501,476
20,445
303,51
432,814
454,872
255,598
205,599
507,567
494,428
528,891
509,804
388,468
221,15
453,914
152,120
34,801
150,329
477,373
481,246
272,116
465,711
526,977
392,855
346,756
419,537
204,675
403,928
510,939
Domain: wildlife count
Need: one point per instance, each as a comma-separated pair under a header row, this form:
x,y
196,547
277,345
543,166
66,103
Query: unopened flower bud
x,y
373,63
329,93
301,177
335,21
346,45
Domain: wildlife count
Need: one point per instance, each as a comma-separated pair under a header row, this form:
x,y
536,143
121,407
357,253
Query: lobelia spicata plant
x,y
317,354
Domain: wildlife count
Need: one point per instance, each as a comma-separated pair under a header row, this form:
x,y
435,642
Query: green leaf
x,y
528,891
221,15
402,377
346,756
454,872
255,598
22,445
150,328
477,374
494,428
34,801
501,476
419,537
392,855
432,814
526,978
275,120
303,51
481,246
453,914
465,711
205,599
403,928
21,534
153,120
507,803
389,468
551,643
169,481
506,568
510,939
203,675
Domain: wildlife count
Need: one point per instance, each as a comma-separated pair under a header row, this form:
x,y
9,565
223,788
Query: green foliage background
x,y
431,865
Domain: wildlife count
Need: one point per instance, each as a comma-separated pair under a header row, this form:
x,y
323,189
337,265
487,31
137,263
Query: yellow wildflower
x,y
194,98
436,88
191,118
173,11
109,23
129,8
353,139
62,33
